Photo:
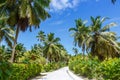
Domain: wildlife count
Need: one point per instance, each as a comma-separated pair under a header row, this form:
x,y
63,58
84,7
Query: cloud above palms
x,y
57,5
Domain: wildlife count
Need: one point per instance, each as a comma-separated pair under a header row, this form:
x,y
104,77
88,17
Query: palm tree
x,y
19,51
41,36
113,1
52,48
22,14
6,33
75,50
96,39
101,42
37,49
4,53
80,34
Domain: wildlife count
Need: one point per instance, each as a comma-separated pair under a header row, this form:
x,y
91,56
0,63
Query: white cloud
x,y
60,5
57,5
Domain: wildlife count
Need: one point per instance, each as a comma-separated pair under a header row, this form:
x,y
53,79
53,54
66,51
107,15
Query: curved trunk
x,y
14,46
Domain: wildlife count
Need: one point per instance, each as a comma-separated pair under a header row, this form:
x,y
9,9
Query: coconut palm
x,y
4,53
113,1
75,50
80,34
52,48
41,36
37,49
23,14
102,42
19,51
6,33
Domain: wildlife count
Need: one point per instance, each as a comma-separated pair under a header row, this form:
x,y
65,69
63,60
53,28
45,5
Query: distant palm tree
x,y
6,33
4,53
19,51
41,36
75,50
37,49
101,42
52,48
80,34
23,14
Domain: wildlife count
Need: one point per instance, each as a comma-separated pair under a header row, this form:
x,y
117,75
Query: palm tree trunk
x,y
15,42
83,54
83,51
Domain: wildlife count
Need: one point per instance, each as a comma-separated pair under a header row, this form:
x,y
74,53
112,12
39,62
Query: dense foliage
x,y
93,68
5,70
109,69
83,67
96,38
53,66
24,71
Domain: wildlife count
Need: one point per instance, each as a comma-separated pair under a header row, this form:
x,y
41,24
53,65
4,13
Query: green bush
x,y
5,70
84,67
93,68
109,69
25,71
53,66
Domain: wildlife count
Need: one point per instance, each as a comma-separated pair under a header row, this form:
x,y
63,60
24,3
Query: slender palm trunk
x,y
15,42
83,54
83,51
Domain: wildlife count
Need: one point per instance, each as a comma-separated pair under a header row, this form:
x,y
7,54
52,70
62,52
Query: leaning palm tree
x,y
102,42
80,34
22,14
6,33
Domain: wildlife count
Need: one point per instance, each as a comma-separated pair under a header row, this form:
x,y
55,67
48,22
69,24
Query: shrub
x,y
25,71
84,67
5,70
53,66
109,69
92,68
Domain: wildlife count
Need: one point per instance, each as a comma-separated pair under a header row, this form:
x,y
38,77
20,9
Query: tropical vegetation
x,y
99,45
93,68
96,39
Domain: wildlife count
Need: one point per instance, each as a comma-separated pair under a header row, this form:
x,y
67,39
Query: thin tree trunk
x,y
14,46
83,54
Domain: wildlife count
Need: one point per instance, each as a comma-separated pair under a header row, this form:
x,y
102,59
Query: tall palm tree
x,y
6,33
97,39
23,14
80,34
101,42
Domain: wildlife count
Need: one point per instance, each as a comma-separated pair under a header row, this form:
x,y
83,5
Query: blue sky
x,y
65,12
